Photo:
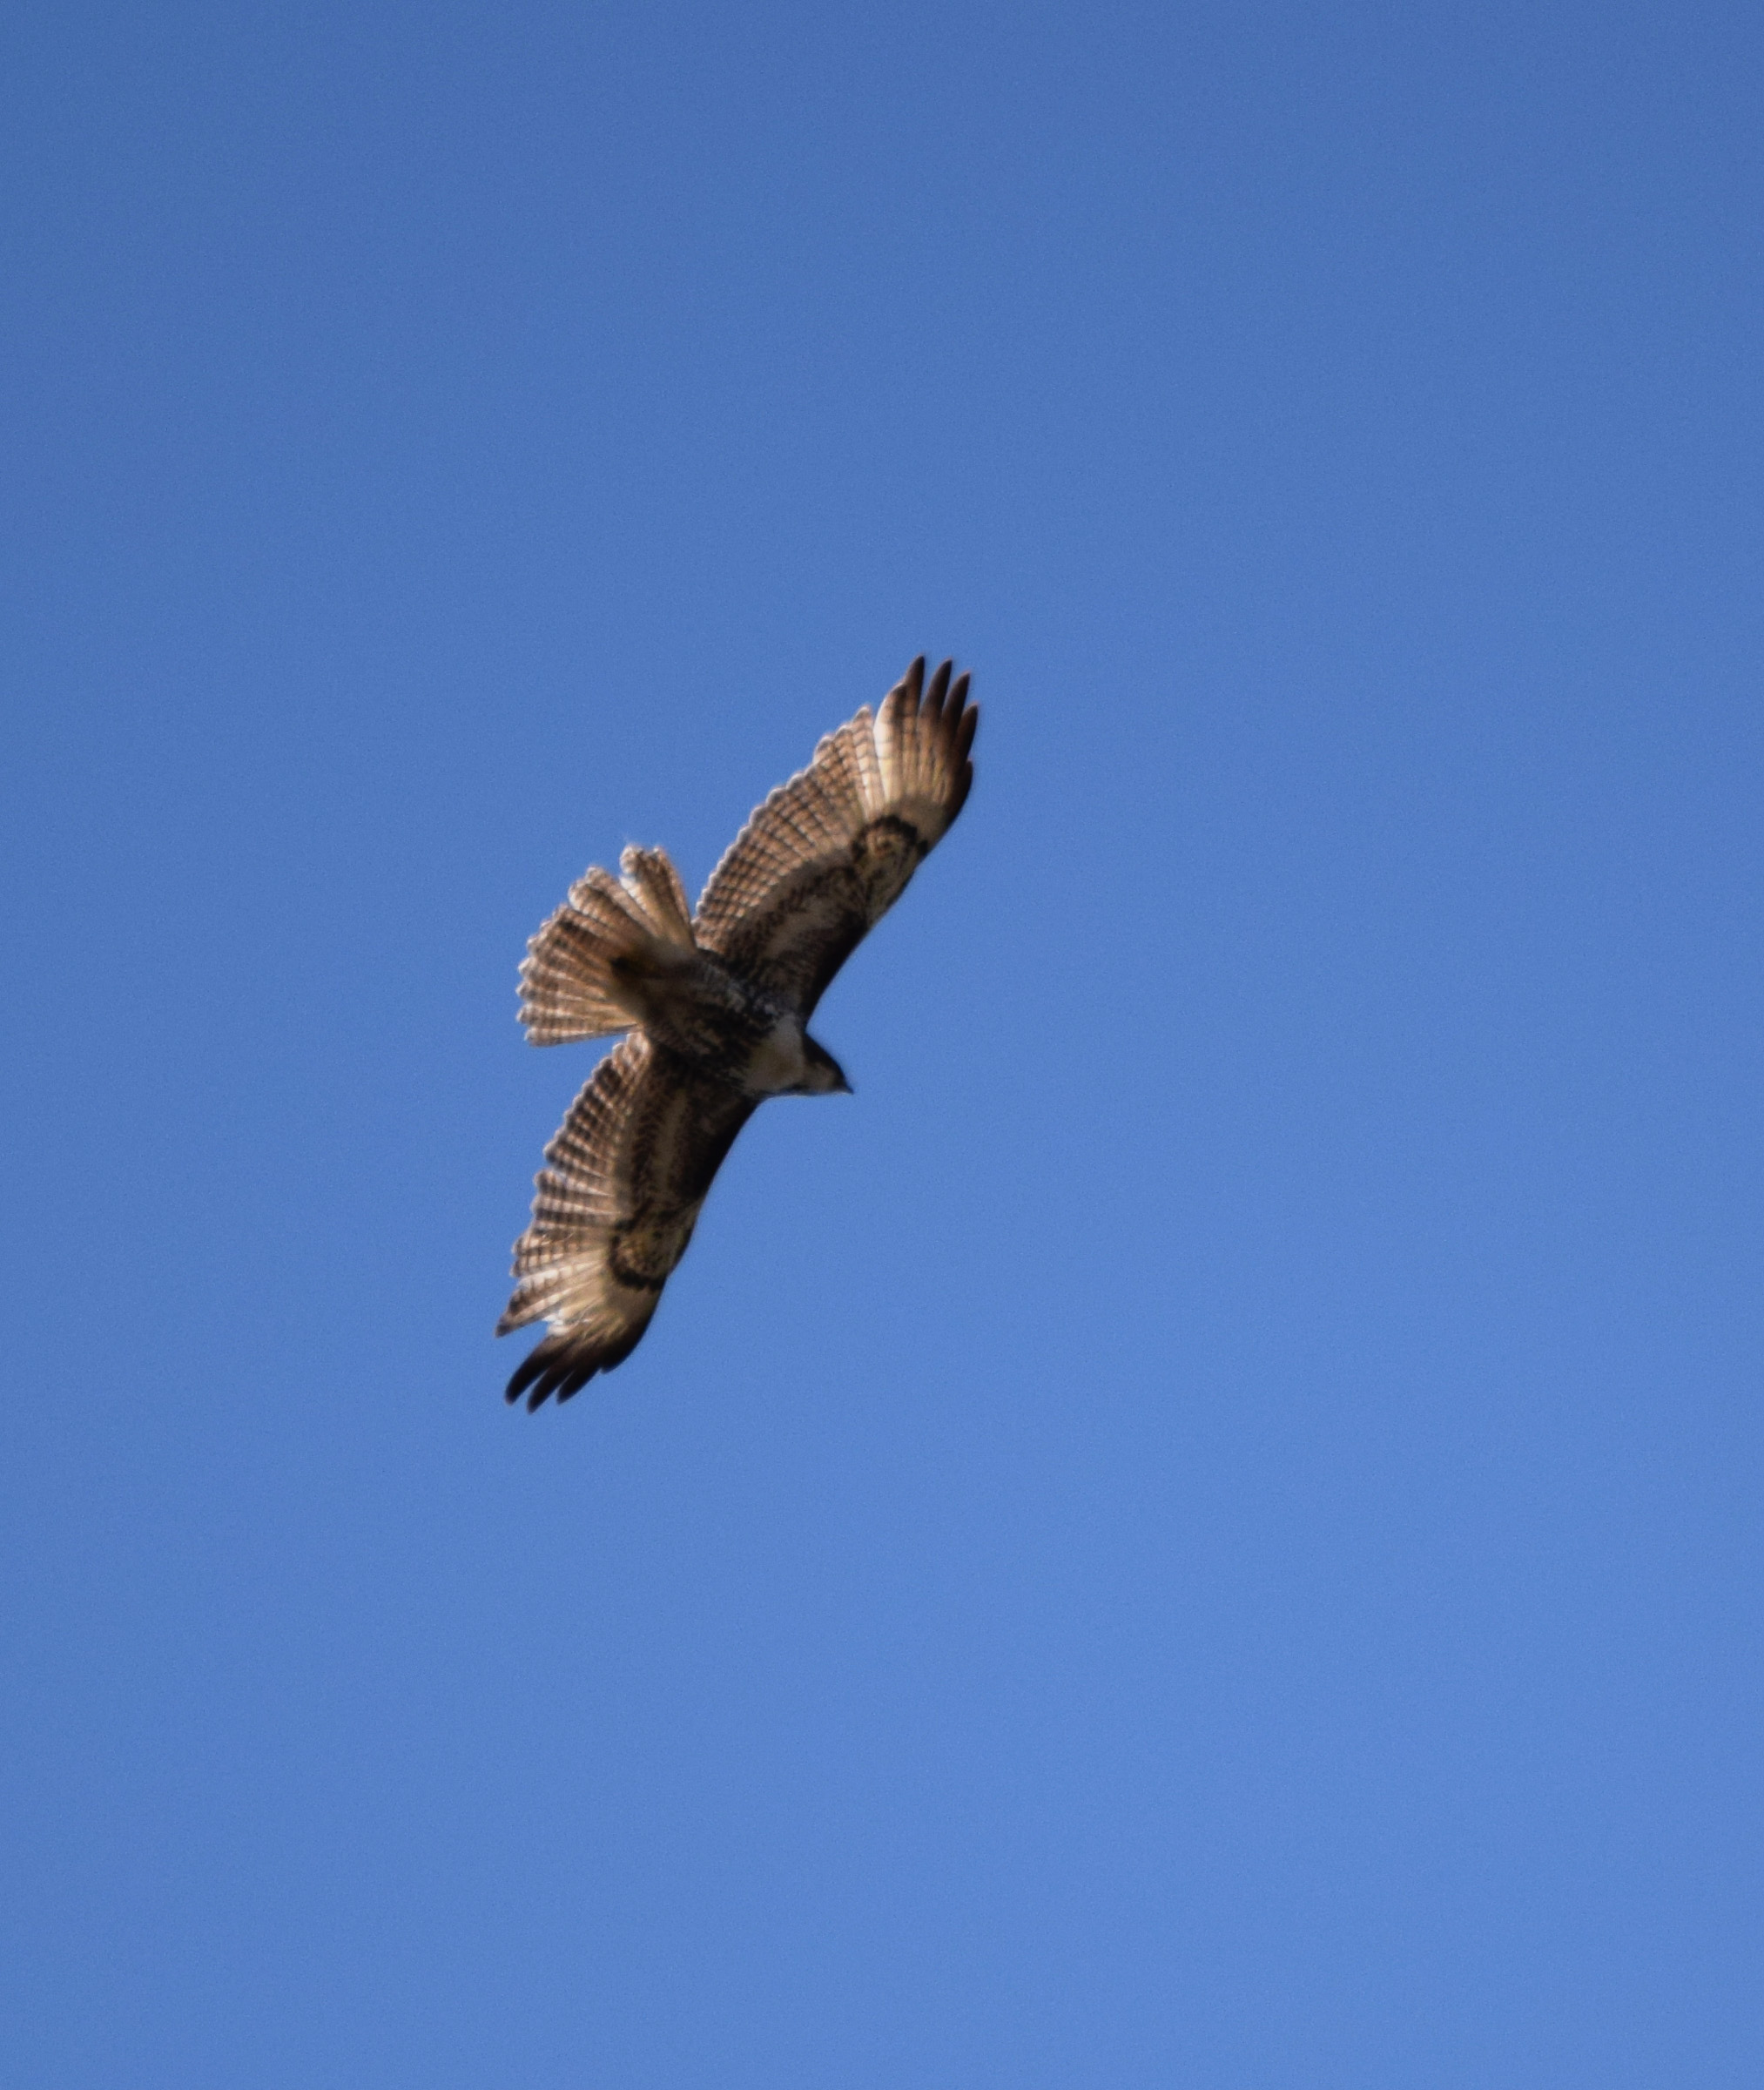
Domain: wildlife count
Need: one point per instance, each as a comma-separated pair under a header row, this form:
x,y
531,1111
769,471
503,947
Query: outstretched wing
x,y
823,861
614,1211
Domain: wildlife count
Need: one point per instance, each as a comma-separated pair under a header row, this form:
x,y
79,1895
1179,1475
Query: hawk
x,y
715,1004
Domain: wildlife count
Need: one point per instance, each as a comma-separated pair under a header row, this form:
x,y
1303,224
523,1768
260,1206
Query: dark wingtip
x,y
548,1368
576,1381
564,1362
965,731
525,1372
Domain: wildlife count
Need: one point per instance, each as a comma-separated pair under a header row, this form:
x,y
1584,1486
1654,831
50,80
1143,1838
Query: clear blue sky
x,y
1202,1530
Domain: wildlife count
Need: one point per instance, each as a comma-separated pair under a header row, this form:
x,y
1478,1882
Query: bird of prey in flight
x,y
716,1004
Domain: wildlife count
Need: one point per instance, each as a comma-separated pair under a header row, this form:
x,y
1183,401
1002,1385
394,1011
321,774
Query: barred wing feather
x,y
821,862
615,1208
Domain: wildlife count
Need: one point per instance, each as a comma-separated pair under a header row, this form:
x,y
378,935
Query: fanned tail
x,y
582,972
650,880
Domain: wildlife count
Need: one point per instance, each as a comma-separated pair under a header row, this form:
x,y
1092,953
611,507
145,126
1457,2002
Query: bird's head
x,y
822,1075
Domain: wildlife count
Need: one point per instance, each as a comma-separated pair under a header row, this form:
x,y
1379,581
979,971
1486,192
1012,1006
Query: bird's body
x,y
726,1027
717,1004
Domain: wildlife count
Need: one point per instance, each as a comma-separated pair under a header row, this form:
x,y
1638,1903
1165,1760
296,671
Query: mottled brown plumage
x,y
715,1003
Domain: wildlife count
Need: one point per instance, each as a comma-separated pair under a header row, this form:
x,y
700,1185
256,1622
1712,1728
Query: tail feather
x,y
650,880
581,971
